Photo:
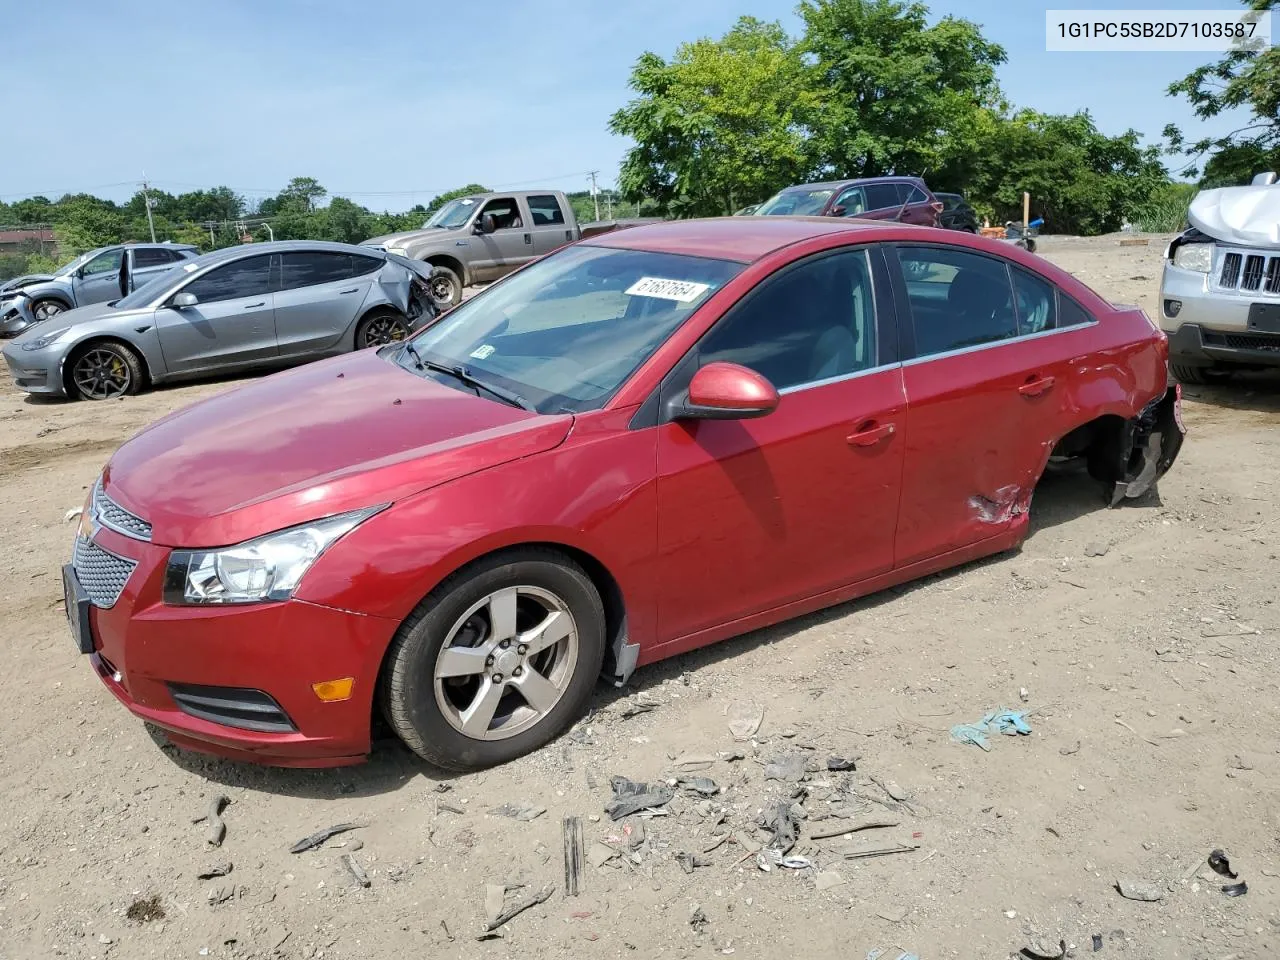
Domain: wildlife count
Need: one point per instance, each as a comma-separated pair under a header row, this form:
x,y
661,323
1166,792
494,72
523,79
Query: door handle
x,y
528,238
871,433
352,290
260,303
1036,386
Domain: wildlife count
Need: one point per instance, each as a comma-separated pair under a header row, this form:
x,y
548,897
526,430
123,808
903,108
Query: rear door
x,y
547,224
147,263
318,298
232,323
984,385
882,200
757,513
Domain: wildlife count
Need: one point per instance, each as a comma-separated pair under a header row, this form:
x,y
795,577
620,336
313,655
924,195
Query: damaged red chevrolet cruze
x,y
638,445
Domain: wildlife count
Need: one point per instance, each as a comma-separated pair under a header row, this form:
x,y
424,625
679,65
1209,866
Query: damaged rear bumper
x,y
1148,445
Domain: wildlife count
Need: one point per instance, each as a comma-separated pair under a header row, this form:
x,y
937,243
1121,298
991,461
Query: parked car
x,y
1220,289
629,449
875,198
484,237
98,276
249,306
26,280
956,213
747,210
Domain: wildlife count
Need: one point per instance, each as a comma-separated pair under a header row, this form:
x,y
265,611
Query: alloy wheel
x,y
506,662
383,330
46,309
102,374
442,289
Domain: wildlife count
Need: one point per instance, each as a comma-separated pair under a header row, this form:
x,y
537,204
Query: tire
x,y
446,287
42,310
381,327
429,710
110,370
1190,375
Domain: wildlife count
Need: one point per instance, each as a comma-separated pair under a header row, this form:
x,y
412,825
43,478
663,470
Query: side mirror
x,y
486,224
837,210
184,300
727,391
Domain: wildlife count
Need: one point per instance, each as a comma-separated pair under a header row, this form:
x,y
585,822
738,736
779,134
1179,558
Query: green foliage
x,y
1247,78
1165,211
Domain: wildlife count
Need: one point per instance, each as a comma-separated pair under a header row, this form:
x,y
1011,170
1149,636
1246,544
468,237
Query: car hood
x,y
408,237
333,436
79,317
1249,216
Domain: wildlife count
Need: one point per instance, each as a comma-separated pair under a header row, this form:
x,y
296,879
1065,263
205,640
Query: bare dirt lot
x,y
1140,640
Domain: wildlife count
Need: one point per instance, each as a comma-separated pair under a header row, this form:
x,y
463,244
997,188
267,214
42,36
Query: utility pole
x,y
595,192
608,199
146,198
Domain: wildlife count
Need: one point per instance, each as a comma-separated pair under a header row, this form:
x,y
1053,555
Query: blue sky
x,y
392,102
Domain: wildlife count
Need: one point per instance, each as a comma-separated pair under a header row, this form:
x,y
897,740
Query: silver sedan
x,y
267,304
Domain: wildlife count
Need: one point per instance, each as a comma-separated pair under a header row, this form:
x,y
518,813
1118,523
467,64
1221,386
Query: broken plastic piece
x,y
835,764
518,812
319,837
787,769
517,907
1236,889
1030,954
1097,942
1139,890
703,785
355,870
745,720
782,822
1009,722
631,797
1220,865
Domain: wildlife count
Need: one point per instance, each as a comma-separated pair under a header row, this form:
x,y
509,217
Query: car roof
x,y
859,181
744,239
288,246
158,246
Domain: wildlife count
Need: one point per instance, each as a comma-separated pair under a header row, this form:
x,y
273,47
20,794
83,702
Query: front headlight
x,y
268,568
44,339
398,251
1194,256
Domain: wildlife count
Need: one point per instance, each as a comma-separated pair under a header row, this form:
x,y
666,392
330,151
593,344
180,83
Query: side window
x,y
244,278
150,257
854,202
882,195
957,299
545,211
918,195
1035,301
310,269
1070,313
104,263
363,266
505,211
810,323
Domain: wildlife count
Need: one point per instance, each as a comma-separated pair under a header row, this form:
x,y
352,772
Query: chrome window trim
x,y
814,384
1021,338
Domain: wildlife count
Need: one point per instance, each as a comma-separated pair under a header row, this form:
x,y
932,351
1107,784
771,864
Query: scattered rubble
x,y
631,797
320,836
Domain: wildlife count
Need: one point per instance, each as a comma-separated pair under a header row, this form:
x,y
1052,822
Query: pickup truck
x,y
482,238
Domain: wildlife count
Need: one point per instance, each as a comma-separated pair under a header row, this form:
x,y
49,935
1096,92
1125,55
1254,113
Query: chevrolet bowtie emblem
x,y
88,525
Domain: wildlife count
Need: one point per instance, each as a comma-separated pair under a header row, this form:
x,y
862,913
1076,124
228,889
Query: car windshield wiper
x,y
460,373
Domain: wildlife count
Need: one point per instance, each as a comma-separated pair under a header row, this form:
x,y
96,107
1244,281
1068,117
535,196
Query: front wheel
x,y
445,287
381,327
42,310
498,660
104,371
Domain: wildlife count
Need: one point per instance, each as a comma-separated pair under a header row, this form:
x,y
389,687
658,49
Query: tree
x,y
1245,78
301,195
724,123
899,96
438,202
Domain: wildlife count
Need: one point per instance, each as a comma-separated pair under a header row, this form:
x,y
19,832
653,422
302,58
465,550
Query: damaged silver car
x,y
1220,291
260,305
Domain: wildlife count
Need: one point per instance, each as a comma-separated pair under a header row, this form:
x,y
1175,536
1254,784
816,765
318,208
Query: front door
x,y
496,254
318,299
981,391
753,514
231,324
99,280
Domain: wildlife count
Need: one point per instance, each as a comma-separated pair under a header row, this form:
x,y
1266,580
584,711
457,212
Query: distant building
x,y
13,240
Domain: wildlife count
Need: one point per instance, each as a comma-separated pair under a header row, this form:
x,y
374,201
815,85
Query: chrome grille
x,y
101,573
110,514
1250,272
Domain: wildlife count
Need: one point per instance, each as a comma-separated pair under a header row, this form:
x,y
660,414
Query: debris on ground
x,y
1097,942
636,706
688,763
219,869
146,910
1096,549
861,853
838,764
1221,865
890,787
355,870
1141,890
217,830
892,914
601,853
689,861
631,797
1035,954
769,858
850,828
507,910
221,894
516,811
1236,889
828,879
698,920
780,819
700,785
443,787
1008,722
320,836
745,720
572,855
788,768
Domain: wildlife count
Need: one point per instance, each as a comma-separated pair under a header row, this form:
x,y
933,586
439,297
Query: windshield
x,y
152,288
78,262
795,203
566,332
453,214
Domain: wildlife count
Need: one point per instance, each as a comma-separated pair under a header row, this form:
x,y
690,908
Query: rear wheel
x,y
104,371
446,287
497,661
381,327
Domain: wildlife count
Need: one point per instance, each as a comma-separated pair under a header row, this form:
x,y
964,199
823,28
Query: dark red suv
x,y
875,198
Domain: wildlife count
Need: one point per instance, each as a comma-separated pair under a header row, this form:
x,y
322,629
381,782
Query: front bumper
x,y
152,657
1211,326
15,317
36,371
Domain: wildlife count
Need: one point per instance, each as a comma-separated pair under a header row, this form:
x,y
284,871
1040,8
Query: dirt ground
x,y
1139,640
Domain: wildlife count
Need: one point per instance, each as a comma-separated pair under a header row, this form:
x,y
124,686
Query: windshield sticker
x,y
684,291
188,267
483,352
467,202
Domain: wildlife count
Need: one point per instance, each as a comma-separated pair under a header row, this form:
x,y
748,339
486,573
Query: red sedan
x,y
628,449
